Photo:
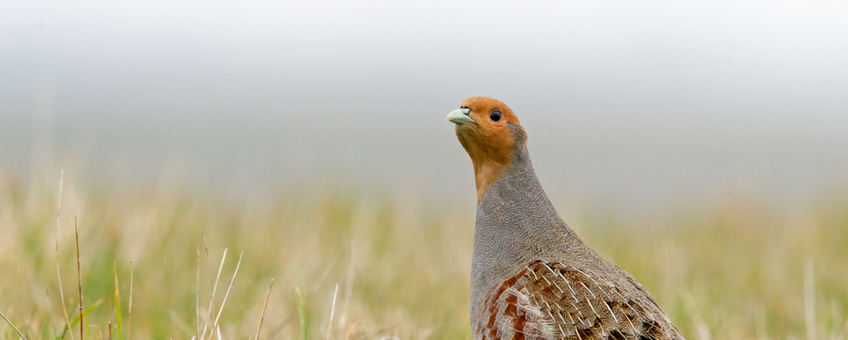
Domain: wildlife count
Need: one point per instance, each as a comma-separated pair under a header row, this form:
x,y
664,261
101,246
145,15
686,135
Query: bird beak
x,y
459,117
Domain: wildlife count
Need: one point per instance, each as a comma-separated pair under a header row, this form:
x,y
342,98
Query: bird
x,y
531,275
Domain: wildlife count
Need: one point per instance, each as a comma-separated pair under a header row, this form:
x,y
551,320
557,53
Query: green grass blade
x,y
117,305
77,318
301,311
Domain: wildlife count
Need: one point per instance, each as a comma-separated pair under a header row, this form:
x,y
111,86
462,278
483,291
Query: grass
x,y
354,265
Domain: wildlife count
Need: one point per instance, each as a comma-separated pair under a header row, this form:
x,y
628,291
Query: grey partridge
x,y
531,276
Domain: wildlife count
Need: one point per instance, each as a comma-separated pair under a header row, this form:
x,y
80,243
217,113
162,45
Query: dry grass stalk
x,y
262,317
215,325
58,272
314,290
209,262
79,280
332,312
117,300
109,334
214,288
197,300
348,288
13,326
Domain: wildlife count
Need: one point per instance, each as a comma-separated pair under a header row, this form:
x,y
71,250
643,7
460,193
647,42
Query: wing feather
x,y
552,300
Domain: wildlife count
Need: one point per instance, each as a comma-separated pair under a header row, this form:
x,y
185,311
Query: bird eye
x,y
495,116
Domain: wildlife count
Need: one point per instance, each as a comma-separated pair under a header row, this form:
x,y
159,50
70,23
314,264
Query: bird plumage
x,y
531,276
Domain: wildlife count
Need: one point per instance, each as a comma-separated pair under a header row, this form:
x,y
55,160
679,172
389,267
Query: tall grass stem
x,y
13,326
262,317
79,279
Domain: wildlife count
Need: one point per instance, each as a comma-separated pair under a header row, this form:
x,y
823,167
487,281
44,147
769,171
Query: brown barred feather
x,y
557,301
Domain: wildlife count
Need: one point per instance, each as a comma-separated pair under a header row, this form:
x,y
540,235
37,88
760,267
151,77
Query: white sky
x,y
623,101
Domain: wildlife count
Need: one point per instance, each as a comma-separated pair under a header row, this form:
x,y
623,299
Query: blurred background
x,y
625,102
702,146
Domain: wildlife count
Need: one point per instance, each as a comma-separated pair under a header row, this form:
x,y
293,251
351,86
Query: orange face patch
x,y
482,107
488,141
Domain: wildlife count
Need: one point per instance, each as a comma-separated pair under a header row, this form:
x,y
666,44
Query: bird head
x,y
489,131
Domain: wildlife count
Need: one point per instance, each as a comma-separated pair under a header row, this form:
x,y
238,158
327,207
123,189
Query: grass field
x,y
353,265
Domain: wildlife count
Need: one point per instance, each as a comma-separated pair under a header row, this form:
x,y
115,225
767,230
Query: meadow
x,y
353,264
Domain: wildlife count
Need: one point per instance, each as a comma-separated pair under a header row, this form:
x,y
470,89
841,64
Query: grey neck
x,y
516,224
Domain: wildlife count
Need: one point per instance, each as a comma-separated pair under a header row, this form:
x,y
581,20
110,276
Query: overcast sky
x,y
623,101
